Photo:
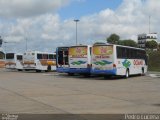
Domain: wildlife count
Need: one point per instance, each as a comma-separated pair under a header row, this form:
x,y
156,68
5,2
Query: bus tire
x,y
142,71
127,73
19,69
49,68
70,74
107,76
87,75
38,71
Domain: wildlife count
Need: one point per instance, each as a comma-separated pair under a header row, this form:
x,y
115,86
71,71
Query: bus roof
x,y
39,52
118,45
14,53
81,46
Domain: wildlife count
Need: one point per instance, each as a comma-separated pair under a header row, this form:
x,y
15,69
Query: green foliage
x,y
129,42
151,44
99,43
159,47
154,60
113,39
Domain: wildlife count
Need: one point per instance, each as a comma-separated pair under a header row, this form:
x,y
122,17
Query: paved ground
x,y
30,92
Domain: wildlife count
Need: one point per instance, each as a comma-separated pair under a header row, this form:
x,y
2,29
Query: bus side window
x,y
45,56
19,57
50,57
39,56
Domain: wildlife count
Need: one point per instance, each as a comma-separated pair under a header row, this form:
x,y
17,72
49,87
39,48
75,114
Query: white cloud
x,y
48,31
27,8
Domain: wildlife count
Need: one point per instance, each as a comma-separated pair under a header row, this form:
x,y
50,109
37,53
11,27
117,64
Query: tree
x,y
151,44
128,42
113,39
99,43
159,46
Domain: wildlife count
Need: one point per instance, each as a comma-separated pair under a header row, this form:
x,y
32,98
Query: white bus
x,y
120,60
14,61
39,61
2,59
80,59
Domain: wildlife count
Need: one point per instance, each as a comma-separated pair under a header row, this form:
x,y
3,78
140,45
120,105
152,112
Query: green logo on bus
x,y
103,62
78,62
126,63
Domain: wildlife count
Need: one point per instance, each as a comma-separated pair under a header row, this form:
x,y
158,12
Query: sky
x,y
44,25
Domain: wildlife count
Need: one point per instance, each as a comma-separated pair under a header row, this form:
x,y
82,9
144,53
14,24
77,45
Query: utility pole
x,y
149,23
76,20
26,44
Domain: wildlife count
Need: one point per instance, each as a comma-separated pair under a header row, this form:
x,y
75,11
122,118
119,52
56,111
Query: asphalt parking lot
x,y
51,93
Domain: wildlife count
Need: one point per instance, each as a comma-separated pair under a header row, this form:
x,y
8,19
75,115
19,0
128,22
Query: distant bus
x,y
120,60
62,63
80,59
39,61
14,61
2,59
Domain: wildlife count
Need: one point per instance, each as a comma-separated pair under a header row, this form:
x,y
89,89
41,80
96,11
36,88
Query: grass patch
x,y
154,61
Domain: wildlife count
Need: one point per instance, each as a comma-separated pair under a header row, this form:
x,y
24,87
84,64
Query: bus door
x,y
102,57
19,61
63,57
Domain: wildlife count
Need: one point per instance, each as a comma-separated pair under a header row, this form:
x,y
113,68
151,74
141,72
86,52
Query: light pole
x,y
26,44
76,20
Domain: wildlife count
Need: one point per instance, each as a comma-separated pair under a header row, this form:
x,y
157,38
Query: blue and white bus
x,y
62,64
80,59
109,60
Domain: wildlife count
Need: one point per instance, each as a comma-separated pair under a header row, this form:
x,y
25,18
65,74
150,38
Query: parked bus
x,y
111,60
14,61
62,65
2,59
80,59
39,61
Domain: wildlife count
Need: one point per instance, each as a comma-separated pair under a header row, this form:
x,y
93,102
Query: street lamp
x,y
76,20
26,44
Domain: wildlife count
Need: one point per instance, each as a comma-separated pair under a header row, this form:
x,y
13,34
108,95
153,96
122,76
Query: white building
x,y
143,38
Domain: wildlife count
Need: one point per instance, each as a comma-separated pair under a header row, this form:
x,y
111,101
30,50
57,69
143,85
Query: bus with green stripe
x,y
110,60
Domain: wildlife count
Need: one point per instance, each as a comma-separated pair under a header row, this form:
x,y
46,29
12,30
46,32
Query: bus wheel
x,y
107,76
70,74
127,73
87,75
38,71
142,72
19,70
49,68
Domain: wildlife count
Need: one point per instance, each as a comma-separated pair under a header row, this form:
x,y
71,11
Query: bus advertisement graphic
x,y
78,52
